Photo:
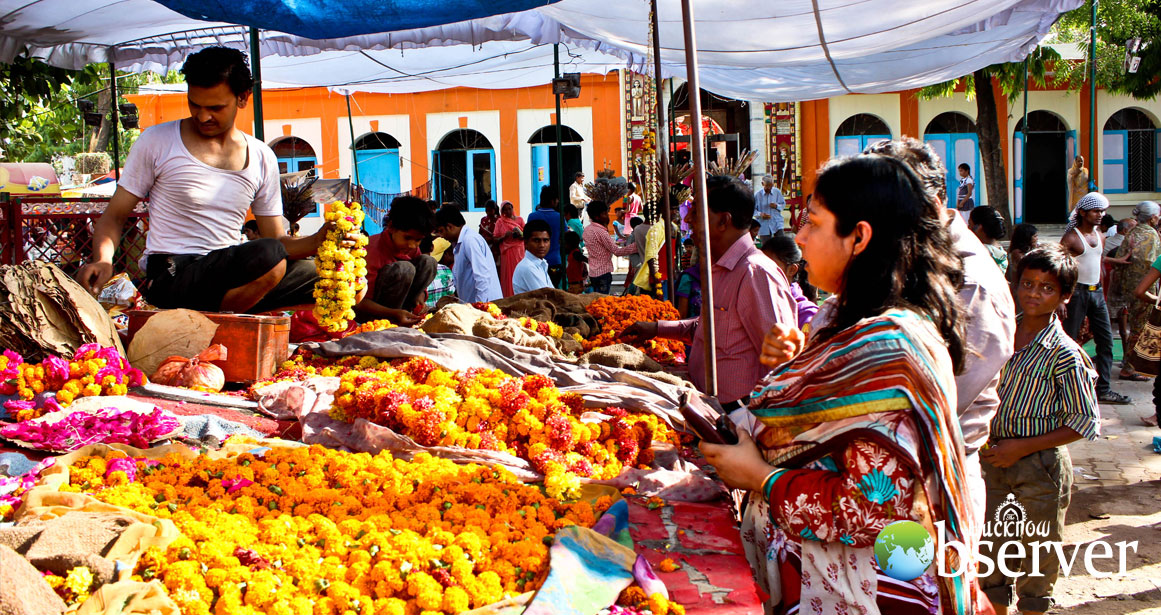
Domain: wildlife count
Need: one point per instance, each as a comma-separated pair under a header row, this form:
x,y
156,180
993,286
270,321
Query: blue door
x,y
378,172
540,169
955,149
1018,176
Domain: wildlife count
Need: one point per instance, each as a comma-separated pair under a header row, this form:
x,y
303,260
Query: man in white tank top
x,y
1084,241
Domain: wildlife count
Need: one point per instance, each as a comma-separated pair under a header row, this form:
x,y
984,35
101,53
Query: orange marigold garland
x,y
316,530
615,314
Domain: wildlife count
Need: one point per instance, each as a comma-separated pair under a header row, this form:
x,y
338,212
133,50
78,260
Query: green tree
x,y
1010,78
1117,22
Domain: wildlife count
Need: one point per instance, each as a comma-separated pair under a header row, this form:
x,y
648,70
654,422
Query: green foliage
x,y
1117,22
1009,75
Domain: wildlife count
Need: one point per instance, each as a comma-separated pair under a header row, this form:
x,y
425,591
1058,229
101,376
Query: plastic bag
x,y
196,373
119,291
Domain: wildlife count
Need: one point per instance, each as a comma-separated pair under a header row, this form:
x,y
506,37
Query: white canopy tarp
x,y
751,49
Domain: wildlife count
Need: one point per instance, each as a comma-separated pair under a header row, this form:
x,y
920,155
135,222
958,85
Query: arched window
x,y
544,158
1129,152
1042,121
547,136
953,137
1051,147
464,169
857,132
376,140
293,155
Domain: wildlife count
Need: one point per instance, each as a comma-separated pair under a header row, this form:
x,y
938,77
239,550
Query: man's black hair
x,y
449,215
252,225
570,239
215,65
728,195
548,198
1053,260
409,213
536,226
570,212
755,224
597,208
636,221
427,246
578,174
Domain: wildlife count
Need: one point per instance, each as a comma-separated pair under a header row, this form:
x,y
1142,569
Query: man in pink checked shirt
x,y
751,295
601,248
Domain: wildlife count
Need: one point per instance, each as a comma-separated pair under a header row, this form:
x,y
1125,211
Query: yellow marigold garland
x,y
314,530
342,270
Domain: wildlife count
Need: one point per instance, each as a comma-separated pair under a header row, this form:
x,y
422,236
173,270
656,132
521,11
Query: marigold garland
x,y
487,409
93,371
313,530
615,314
342,270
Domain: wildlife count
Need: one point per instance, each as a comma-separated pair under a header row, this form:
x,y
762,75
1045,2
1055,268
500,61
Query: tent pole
x,y
663,158
1024,148
256,66
354,154
116,119
1092,88
558,177
701,203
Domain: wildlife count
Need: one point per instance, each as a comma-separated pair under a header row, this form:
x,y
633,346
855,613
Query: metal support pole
x,y
1024,149
256,68
558,177
1092,88
701,204
354,154
663,158
116,120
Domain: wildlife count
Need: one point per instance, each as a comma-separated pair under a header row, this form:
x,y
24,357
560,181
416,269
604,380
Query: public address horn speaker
x,y
567,85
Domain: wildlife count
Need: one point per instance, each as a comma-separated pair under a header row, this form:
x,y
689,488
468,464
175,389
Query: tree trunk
x,y
102,134
991,152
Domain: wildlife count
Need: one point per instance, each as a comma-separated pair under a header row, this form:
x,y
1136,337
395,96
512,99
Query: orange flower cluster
x,y
92,371
487,409
316,531
635,598
615,314
374,325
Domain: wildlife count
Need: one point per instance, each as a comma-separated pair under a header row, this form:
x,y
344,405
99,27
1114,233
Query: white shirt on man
x,y
531,274
195,208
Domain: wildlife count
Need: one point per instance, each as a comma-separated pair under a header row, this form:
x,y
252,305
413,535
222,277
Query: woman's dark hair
x,y
1053,260
548,197
570,212
409,213
536,226
909,261
1022,237
449,215
785,250
213,65
490,204
989,219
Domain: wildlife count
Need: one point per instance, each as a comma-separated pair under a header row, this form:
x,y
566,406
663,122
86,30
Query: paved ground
x,y
1117,497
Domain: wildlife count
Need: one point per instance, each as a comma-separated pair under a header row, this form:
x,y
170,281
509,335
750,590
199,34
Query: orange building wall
x,y
600,92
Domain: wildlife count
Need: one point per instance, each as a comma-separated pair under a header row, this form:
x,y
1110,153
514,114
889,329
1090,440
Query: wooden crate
x,y
255,345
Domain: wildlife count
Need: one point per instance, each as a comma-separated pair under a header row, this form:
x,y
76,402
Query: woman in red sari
x,y
509,232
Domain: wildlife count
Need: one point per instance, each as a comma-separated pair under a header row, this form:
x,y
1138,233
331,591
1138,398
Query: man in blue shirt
x,y
532,272
768,204
474,268
547,211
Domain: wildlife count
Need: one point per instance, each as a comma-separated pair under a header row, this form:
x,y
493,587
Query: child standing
x,y
1047,400
577,269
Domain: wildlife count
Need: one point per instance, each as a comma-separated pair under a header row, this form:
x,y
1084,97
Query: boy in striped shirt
x,y
1047,400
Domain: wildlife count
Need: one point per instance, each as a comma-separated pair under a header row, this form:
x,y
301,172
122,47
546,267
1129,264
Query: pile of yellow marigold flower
x,y
314,531
615,314
342,270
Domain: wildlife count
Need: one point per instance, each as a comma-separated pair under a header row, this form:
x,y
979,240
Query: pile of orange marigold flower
x,y
615,314
314,531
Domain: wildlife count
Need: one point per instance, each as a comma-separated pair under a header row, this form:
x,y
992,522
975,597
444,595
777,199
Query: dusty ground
x,y
1117,497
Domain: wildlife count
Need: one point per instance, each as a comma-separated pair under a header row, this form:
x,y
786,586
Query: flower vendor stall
x,y
434,473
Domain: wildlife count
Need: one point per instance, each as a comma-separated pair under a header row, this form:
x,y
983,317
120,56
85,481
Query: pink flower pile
x,y
104,426
12,488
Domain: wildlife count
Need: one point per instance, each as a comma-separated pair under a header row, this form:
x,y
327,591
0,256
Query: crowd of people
x,y
915,391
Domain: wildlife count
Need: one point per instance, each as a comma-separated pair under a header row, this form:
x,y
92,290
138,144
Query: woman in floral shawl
x,y
1141,247
859,430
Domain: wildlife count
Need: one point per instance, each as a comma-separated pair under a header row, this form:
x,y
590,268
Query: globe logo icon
x,y
904,550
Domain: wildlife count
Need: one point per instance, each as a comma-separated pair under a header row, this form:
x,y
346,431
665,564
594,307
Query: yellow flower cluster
x,y
342,270
487,409
635,597
317,531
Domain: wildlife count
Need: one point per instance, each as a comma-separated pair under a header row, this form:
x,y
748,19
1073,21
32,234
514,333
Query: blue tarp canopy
x,y
338,18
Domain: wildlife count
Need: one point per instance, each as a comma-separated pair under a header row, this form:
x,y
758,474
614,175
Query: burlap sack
x,y
620,355
454,318
129,598
512,332
23,591
76,539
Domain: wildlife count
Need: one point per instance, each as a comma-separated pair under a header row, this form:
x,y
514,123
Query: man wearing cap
x,y
1083,239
